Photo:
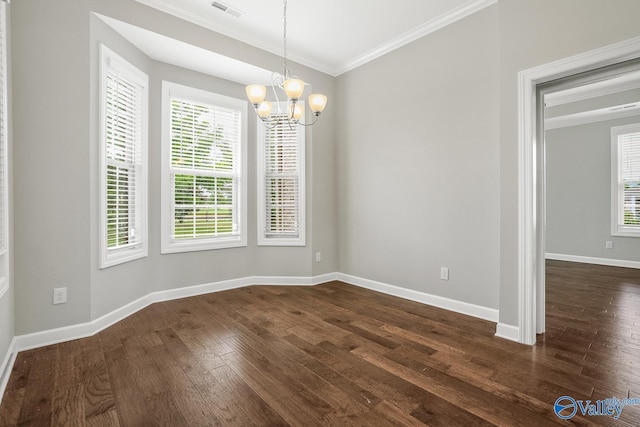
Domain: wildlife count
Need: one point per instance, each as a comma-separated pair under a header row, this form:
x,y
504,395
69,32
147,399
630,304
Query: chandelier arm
x,y
276,81
315,119
269,124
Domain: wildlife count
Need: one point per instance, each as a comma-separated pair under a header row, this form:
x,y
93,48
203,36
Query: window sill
x,y
626,233
295,242
123,256
176,246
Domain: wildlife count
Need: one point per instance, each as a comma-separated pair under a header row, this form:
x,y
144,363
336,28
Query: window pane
x,y
203,137
205,140
123,103
632,204
282,175
626,180
203,206
282,205
123,127
118,226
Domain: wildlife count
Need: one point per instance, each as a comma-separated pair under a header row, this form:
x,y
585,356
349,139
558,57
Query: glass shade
x,y
294,88
317,102
264,110
298,111
256,93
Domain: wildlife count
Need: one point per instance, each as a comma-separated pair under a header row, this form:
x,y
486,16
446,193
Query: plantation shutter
x,y
123,127
629,177
205,170
282,179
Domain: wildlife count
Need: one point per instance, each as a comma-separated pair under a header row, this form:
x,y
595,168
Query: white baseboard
x,y
82,330
324,278
481,312
593,260
7,366
508,332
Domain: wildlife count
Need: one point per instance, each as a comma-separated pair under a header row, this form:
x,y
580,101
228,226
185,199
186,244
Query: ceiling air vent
x,y
226,8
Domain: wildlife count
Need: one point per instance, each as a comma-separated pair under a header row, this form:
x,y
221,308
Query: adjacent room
x,y
283,212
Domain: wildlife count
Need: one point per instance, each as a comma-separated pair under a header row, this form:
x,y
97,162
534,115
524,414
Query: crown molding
x,y
429,27
333,70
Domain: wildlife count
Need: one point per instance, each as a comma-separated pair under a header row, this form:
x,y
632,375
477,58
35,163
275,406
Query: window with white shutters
x,y
4,188
625,166
123,160
203,149
281,184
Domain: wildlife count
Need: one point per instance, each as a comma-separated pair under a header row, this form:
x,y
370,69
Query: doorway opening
x,y
575,115
573,71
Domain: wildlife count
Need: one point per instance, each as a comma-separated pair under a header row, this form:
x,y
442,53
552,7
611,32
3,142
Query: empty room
x,y
330,213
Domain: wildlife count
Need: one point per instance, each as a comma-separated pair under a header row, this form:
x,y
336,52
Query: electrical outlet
x,y
318,256
60,295
608,244
444,273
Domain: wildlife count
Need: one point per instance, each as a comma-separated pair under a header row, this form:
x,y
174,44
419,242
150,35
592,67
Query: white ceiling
x,y
171,51
332,36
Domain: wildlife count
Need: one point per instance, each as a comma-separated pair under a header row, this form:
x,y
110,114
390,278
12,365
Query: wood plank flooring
x,y
338,355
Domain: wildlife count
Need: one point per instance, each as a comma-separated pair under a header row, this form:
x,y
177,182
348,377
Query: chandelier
x,y
292,86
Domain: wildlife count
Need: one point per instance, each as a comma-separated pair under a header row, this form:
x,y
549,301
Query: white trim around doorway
x,y
530,234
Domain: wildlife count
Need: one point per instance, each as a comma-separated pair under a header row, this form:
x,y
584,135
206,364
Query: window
x,y
625,172
281,218
4,187
123,155
203,170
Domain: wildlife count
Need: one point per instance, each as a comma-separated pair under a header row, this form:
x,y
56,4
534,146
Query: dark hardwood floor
x,y
339,355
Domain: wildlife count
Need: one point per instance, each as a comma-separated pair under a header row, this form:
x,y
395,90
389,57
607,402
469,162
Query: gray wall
x,y
448,151
578,171
51,162
532,33
419,172
55,65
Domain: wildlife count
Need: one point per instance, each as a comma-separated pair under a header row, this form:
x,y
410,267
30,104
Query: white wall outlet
x,y
60,295
444,273
318,256
608,244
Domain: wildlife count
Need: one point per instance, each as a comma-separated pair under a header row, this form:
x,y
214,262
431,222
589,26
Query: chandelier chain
x,y
284,42
293,88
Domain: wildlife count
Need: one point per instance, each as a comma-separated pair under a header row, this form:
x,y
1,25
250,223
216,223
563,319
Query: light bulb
x,y
298,111
317,102
294,88
264,110
256,93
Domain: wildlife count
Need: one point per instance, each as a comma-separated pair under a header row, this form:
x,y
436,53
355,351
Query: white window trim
x,y
109,258
262,238
617,229
168,244
4,142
